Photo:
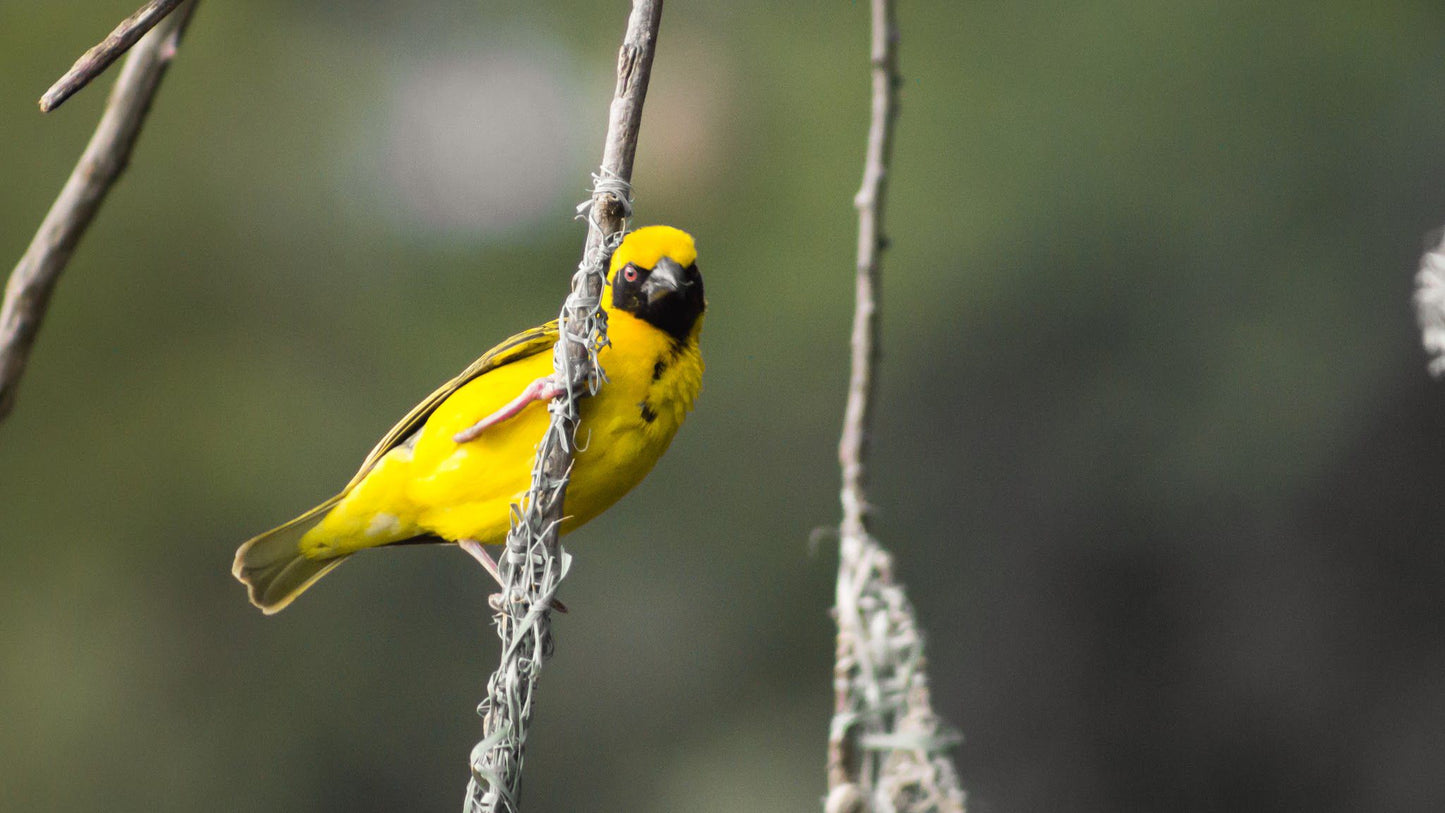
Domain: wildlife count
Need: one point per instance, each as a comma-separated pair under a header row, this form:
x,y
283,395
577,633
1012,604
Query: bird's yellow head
x,y
654,277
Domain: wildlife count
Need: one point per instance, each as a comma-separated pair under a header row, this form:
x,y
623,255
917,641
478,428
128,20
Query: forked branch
x,y
27,294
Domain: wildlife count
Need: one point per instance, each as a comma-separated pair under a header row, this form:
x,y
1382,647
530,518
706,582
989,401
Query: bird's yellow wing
x,y
273,566
523,345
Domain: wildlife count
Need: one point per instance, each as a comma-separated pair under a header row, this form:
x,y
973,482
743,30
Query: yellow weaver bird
x,y
451,469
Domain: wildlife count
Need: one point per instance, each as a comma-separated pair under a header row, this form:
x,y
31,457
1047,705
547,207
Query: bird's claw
x,y
496,600
475,549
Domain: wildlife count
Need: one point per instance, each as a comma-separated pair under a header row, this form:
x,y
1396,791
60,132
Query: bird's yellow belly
x,y
465,499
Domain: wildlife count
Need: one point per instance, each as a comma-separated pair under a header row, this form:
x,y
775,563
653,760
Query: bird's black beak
x,y
666,277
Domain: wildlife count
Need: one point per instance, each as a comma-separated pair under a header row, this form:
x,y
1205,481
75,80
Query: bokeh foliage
x,y
1155,445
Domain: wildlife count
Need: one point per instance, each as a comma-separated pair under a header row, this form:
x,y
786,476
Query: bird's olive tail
x,y
272,566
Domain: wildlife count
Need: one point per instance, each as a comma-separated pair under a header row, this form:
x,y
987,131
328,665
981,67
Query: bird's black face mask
x,y
667,295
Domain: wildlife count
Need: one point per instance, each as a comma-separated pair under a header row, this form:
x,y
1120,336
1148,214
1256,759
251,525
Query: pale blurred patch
x,y
481,141
690,120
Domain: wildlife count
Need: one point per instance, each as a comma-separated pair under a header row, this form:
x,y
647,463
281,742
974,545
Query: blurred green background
x,y
1155,445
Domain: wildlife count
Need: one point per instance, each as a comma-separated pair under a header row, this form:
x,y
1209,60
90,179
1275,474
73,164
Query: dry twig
x,y
887,751
534,563
27,294
94,62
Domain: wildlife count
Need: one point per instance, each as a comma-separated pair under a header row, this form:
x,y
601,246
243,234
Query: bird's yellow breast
x,y
430,485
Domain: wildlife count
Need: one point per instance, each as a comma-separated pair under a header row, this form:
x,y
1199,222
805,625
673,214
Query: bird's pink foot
x,y
540,390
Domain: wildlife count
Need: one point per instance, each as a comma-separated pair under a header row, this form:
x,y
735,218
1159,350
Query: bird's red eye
x,y
630,273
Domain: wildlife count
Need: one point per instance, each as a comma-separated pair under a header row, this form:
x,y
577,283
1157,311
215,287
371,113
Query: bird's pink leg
x,y
479,553
540,390
489,564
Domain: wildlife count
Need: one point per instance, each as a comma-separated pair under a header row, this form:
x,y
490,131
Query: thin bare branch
x,y
94,62
857,415
887,751
534,563
27,294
